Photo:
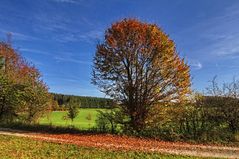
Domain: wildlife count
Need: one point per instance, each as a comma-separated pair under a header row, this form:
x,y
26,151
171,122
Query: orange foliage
x,y
138,65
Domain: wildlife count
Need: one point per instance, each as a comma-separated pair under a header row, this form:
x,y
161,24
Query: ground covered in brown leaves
x,y
131,143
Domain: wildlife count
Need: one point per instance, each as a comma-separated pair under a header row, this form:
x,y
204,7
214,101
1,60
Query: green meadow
x,y
84,120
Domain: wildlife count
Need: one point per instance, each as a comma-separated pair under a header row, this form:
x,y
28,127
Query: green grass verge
x,y
19,147
84,120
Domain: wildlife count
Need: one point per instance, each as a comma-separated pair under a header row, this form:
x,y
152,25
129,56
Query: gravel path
x,y
131,143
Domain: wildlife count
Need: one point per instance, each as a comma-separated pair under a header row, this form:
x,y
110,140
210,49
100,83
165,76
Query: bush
x,y
110,121
73,110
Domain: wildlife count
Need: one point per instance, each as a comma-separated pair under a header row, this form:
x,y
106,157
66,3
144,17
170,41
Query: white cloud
x,y
194,64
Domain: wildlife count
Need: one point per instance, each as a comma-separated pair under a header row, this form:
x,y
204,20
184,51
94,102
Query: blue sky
x,y
60,36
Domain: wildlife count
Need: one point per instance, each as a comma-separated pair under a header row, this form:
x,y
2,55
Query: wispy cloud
x,y
50,22
194,64
72,60
223,66
53,23
229,49
58,56
67,30
34,51
34,62
17,36
215,37
67,1
67,78
90,37
71,57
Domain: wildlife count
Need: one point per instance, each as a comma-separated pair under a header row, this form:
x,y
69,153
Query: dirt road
x,y
130,143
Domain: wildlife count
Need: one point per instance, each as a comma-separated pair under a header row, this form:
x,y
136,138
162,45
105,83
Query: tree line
x,y
81,101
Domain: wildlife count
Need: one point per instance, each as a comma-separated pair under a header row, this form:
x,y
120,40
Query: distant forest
x,y
84,101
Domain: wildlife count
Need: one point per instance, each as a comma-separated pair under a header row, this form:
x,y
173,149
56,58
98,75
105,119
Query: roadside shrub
x,y
102,123
110,120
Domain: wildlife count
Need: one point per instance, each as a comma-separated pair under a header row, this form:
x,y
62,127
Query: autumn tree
x,y
137,65
23,95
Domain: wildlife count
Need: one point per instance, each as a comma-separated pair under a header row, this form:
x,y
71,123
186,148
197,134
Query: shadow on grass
x,y
37,128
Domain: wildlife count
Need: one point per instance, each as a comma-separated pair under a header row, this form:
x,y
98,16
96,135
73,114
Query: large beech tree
x,y
137,64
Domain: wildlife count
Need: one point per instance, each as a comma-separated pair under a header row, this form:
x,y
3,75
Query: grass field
x,y
18,147
84,120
